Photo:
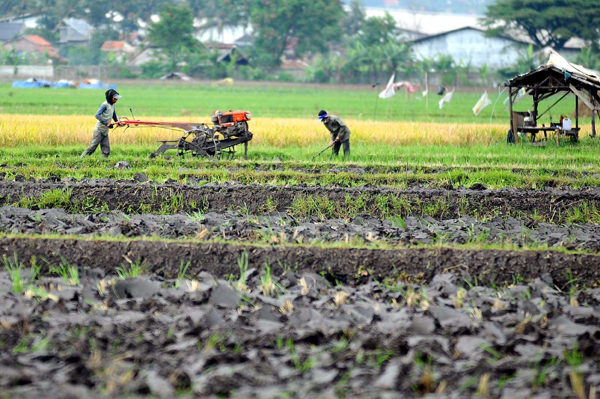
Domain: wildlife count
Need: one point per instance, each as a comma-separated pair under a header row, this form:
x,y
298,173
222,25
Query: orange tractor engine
x,y
229,119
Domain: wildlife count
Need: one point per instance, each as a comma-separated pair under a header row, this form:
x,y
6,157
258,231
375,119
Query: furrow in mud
x,y
552,205
345,265
280,228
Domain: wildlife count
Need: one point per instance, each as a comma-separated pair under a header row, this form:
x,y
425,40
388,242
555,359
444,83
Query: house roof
x,y
78,24
38,40
112,45
574,43
426,23
246,38
9,30
41,45
223,46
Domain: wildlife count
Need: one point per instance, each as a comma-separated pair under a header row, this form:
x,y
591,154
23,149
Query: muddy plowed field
x,y
551,204
125,288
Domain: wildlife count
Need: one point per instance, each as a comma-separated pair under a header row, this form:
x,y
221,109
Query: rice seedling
x,y
243,265
459,298
268,286
102,286
14,267
183,267
287,307
69,273
133,270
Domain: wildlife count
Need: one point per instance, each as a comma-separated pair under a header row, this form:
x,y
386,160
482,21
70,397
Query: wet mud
x,y
344,265
552,205
280,228
294,335
269,308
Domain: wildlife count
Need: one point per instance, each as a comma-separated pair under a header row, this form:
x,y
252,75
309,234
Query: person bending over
x,y
340,134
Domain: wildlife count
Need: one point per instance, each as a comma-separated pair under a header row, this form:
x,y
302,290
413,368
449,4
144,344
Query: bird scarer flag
x,y
446,99
483,102
389,89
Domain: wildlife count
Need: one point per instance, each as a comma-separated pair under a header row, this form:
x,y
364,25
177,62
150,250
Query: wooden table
x,y
573,133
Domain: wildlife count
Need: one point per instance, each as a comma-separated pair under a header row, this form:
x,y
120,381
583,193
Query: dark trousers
x,y
336,148
99,138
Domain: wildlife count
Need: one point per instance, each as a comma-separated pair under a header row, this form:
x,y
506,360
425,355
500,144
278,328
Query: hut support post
x,y
576,112
512,119
593,99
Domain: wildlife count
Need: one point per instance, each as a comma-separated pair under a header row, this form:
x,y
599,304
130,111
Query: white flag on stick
x,y
446,99
483,102
389,89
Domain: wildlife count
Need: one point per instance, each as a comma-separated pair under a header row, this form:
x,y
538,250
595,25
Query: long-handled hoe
x,y
328,147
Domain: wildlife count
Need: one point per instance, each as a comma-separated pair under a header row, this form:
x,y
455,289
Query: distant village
x,y
460,37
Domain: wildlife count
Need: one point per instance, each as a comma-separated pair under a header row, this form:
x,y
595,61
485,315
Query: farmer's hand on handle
x,y
331,143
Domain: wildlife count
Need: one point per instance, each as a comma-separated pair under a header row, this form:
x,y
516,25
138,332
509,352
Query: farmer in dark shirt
x,y
340,134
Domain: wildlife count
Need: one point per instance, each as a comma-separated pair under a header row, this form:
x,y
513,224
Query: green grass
x,y
583,155
494,166
263,100
69,273
134,269
14,268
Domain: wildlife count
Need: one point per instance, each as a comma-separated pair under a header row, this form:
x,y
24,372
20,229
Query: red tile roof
x,y
40,41
112,45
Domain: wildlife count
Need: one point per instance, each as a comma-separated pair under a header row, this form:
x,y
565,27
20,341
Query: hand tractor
x,y
229,129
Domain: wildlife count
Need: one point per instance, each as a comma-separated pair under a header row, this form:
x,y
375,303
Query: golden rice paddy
x,y
19,130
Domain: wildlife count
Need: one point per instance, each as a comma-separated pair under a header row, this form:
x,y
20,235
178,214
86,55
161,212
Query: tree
x,y
354,19
173,33
526,62
589,59
15,8
310,25
379,30
546,22
220,14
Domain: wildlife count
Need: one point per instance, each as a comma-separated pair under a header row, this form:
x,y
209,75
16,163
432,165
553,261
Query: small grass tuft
x,y
133,270
243,265
268,286
287,307
69,273
14,267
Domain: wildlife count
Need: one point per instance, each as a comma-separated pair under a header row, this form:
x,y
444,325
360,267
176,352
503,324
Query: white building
x,y
463,37
425,23
75,31
470,44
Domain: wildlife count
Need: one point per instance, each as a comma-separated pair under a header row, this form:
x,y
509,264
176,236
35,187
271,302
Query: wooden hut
x,y
558,77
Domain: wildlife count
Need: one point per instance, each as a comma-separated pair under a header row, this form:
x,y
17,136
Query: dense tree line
x,y
546,22
348,46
